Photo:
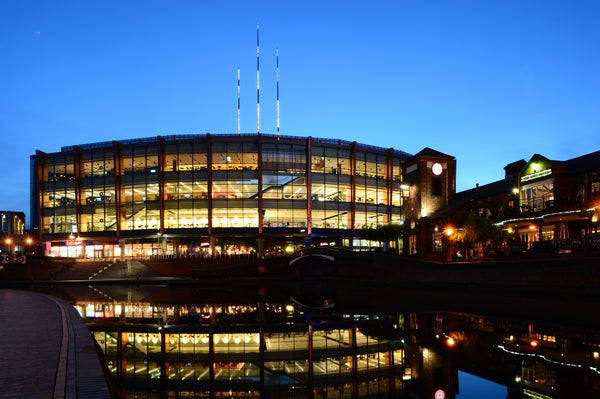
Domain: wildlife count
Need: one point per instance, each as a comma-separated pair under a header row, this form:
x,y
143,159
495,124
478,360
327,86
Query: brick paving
x,y
46,350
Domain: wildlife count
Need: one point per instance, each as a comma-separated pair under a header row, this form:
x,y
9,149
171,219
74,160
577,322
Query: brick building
x,y
541,205
429,182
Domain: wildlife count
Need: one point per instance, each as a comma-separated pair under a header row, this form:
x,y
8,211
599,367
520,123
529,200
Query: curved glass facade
x,y
215,185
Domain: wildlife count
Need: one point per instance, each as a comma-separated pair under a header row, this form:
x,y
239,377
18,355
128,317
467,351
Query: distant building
x,y
12,223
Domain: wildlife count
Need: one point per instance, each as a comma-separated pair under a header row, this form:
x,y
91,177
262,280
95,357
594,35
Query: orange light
x,y
29,240
534,343
449,231
8,241
532,227
450,341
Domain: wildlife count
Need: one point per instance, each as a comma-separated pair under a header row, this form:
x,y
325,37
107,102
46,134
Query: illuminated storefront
x,y
207,194
559,204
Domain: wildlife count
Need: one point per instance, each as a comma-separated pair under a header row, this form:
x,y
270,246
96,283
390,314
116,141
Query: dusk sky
x,y
488,82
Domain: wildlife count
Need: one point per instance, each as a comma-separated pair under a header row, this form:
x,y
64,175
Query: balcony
x,y
537,204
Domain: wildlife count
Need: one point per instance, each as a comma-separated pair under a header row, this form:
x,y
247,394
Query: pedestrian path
x,y
46,350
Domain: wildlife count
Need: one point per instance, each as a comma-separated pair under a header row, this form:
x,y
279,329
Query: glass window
x,y
537,196
284,185
436,186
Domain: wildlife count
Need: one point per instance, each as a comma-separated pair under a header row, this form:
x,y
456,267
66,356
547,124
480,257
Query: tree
x,y
477,229
384,233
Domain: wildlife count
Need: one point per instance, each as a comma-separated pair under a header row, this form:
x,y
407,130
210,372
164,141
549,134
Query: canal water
x,y
316,339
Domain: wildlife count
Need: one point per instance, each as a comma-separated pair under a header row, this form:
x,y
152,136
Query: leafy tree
x,y
477,229
384,233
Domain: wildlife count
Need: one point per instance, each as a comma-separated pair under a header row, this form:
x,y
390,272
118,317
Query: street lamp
x,y
8,242
448,231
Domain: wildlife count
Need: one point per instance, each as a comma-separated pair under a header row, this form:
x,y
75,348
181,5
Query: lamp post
x,y
8,242
28,241
446,243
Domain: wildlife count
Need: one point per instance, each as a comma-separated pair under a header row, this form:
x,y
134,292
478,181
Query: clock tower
x,y
430,178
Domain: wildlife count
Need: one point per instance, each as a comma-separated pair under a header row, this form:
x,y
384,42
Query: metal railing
x,y
181,137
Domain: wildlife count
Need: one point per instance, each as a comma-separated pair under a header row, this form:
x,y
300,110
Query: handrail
x,y
180,137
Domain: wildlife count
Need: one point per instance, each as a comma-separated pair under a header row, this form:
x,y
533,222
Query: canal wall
x,y
575,275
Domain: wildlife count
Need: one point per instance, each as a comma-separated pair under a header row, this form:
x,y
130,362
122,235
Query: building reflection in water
x,y
291,359
281,350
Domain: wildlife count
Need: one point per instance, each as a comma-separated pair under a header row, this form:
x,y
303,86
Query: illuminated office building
x,y
12,223
192,194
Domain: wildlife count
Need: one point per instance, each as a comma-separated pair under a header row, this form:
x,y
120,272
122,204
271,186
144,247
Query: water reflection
x,y
254,341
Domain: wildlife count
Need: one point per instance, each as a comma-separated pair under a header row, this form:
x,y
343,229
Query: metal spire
x,y
239,102
257,83
277,51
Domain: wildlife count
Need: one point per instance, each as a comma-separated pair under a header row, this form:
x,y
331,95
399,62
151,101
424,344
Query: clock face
x,y
437,169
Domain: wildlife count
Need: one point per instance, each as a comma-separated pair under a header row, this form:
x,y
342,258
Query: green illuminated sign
x,y
536,175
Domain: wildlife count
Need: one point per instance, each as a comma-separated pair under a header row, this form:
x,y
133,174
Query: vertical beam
x,y
389,180
164,368
78,171
40,185
257,83
260,186
310,362
121,360
210,191
211,361
161,184
353,184
353,344
117,178
262,346
391,372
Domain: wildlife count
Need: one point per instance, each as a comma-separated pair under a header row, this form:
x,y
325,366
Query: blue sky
x,y
473,387
489,82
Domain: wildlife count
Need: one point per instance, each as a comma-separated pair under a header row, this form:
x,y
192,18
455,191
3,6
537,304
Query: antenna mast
x,y
239,102
257,84
277,52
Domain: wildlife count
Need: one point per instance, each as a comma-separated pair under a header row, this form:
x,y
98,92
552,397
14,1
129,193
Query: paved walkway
x,y
46,350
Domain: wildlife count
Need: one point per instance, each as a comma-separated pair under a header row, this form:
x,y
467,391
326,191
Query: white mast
x,y
239,102
277,52
257,83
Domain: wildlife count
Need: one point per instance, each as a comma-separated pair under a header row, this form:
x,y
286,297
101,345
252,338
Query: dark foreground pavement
x,y
46,350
